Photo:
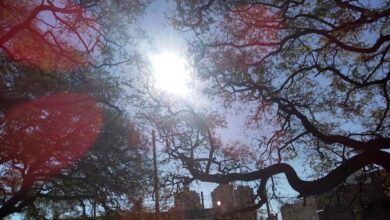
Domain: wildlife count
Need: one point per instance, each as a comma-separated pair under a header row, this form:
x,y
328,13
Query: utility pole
x,y
94,208
267,204
201,195
156,194
204,212
234,196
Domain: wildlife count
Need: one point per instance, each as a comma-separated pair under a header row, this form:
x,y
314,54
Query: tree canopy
x,y
66,143
312,77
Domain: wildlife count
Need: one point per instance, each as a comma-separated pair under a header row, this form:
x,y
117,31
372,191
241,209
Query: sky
x,y
163,37
166,48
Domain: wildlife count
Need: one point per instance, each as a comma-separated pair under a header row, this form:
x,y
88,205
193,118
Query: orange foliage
x,y
239,152
254,23
56,35
50,133
250,33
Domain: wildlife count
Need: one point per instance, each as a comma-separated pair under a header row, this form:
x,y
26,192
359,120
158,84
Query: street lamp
x,y
316,213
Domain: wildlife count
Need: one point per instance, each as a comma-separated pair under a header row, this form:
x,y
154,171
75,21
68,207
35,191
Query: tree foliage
x,y
66,144
74,148
314,76
110,177
66,34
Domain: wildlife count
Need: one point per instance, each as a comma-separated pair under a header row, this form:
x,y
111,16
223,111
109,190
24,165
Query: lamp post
x,y
156,193
316,213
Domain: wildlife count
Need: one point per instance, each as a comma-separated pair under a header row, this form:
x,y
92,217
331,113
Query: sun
x,y
171,73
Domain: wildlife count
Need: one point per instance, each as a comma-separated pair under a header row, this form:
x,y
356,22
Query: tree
x,y
33,149
66,34
55,152
110,177
314,76
60,114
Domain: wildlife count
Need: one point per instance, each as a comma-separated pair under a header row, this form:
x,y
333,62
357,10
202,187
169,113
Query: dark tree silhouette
x,y
35,147
111,176
314,75
64,140
64,35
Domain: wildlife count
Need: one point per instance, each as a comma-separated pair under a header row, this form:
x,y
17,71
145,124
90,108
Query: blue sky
x,y
163,37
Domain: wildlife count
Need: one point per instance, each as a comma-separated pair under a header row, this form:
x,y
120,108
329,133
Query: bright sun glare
x,y
171,73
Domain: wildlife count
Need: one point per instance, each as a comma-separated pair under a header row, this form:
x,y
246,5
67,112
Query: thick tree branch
x,y
303,187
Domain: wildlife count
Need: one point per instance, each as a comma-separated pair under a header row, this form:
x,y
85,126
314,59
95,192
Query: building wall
x,y
365,201
368,200
231,199
187,200
244,197
301,211
223,194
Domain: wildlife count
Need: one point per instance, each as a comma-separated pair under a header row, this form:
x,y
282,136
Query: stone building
x,y
301,211
226,198
222,197
367,198
188,206
187,200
